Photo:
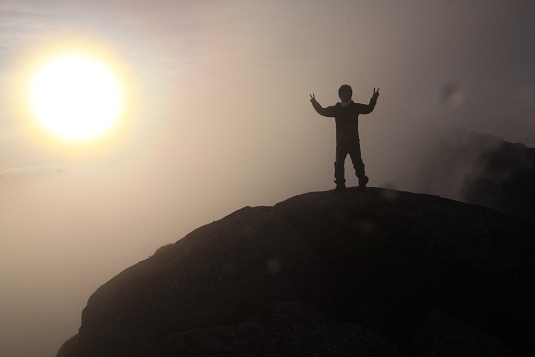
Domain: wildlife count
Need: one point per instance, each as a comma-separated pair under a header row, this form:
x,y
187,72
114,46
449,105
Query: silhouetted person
x,y
346,114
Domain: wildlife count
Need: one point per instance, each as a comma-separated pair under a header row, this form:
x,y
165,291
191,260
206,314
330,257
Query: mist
x,y
222,120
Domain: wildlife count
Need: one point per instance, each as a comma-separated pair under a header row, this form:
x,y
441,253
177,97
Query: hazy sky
x,y
219,118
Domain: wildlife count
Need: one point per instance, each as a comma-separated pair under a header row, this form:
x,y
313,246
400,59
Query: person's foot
x,y
363,181
339,187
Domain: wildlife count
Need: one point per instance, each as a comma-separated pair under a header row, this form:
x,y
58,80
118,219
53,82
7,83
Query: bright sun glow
x,y
76,97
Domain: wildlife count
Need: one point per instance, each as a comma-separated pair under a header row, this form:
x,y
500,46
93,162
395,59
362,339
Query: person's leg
x,y
339,171
358,164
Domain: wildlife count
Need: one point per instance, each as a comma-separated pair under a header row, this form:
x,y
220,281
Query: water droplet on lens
x,y
451,95
274,266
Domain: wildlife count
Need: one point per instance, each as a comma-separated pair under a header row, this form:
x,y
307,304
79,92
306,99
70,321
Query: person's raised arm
x,y
326,112
366,109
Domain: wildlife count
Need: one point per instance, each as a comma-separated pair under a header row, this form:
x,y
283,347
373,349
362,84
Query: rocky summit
x,y
356,273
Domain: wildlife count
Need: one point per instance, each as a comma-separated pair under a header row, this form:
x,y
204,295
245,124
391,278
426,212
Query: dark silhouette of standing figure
x,y
346,114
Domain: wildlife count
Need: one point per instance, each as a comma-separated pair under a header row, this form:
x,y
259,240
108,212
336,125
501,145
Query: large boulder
x,y
379,259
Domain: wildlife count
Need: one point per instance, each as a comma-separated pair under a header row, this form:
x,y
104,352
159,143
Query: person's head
x,y
345,93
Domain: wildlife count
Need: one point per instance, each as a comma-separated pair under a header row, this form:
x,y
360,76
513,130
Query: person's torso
x,y
347,122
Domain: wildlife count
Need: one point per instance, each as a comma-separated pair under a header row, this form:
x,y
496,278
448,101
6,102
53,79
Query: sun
x,y
76,97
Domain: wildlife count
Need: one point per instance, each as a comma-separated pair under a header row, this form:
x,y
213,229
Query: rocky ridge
x,y
352,273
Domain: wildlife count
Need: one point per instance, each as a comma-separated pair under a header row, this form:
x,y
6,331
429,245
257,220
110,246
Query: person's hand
x,y
375,93
313,98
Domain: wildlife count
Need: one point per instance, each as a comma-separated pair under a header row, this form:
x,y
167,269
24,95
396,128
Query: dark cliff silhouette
x,y
481,169
377,272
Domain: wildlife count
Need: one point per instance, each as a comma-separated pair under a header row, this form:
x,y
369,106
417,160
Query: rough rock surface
x,y
281,329
443,335
379,259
